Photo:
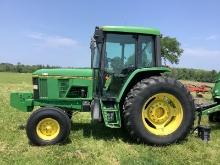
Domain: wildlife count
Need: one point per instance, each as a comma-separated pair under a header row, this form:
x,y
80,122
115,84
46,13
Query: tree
x,y
213,76
19,67
171,49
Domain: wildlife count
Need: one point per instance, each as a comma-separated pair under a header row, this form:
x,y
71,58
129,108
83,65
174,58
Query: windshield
x,y
119,52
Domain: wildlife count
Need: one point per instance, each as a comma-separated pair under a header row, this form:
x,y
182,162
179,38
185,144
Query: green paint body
x,y
78,72
58,95
131,29
216,89
155,70
216,98
211,110
70,88
57,84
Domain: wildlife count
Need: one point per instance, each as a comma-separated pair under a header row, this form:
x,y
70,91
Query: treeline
x,y
194,74
178,73
20,68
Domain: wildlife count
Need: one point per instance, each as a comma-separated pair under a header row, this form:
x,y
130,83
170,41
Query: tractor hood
x,y
78,72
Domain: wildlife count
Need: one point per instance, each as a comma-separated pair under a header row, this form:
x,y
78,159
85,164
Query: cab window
x,y
119,52
146,51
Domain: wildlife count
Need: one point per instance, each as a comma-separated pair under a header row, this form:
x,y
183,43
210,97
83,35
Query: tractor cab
x,y
118,51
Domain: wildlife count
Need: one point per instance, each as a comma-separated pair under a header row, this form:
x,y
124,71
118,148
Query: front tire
x,y
48,126
159,111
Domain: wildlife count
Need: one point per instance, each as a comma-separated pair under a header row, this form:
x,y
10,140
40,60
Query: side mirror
x,y
94,55
99,36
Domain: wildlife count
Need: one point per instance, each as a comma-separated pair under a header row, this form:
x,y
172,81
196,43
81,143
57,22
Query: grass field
x,y
90,143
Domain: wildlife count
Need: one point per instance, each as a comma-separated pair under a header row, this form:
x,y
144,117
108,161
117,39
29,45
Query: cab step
x,y
111,112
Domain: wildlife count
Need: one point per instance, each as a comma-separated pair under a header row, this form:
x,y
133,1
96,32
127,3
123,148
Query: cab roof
x,y
131,29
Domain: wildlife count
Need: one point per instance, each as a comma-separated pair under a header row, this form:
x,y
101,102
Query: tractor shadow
x,y
215,126
100,131
95,130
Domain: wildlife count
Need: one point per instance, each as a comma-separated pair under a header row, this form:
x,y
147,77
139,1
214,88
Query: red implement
x,y
198,88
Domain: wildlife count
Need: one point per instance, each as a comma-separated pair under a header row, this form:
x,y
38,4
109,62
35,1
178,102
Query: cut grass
x,y
90,143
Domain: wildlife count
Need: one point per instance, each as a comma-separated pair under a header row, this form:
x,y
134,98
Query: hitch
x,y
203,131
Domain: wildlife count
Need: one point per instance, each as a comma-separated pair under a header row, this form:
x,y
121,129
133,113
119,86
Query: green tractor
x,y
124,88
213,109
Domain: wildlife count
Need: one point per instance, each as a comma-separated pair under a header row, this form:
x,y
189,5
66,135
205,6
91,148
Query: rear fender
x,y
144,72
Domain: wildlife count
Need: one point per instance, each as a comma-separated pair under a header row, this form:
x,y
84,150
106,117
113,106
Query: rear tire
x,y
159,111
48,126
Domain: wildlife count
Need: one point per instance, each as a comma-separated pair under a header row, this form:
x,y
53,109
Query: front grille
x,y
35,91
43,88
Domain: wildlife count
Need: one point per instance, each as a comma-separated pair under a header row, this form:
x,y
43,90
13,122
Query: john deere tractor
x,y
125,87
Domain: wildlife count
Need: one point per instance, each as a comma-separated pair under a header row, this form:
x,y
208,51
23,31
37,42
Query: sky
x,y
58,32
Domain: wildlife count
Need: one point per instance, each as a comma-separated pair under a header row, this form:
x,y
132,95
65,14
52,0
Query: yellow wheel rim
x,y
162,114
48,129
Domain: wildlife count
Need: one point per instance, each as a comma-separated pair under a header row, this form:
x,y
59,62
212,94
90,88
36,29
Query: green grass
x,y
90,143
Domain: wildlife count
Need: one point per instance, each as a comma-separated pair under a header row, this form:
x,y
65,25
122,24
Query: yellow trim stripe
x,y
63,77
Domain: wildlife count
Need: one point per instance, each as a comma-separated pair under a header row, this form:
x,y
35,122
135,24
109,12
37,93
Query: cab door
x,y
96,66
120,53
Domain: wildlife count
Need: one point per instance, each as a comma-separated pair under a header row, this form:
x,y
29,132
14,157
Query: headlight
x,y
35,87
